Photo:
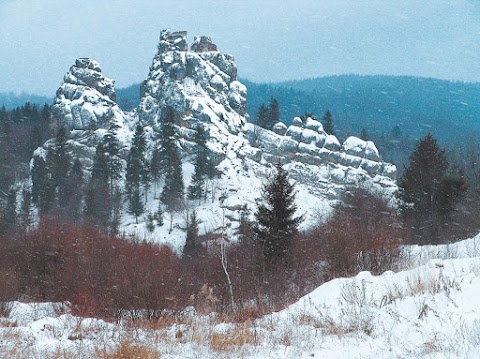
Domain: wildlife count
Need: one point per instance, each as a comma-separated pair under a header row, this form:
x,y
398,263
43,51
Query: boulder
x,y
331,143
297,121
279,128
203,44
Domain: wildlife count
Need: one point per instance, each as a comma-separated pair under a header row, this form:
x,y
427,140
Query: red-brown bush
x,y
363,234
98,273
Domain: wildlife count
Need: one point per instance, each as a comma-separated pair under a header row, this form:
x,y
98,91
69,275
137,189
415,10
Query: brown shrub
x,y
363,234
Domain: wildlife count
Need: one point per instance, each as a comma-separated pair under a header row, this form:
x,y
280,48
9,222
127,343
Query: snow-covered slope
x,y
429,311
202,86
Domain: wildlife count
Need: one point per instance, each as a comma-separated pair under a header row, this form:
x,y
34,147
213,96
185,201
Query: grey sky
x,y
271,40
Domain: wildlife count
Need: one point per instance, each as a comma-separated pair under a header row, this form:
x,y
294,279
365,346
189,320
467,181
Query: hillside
x,y
379,103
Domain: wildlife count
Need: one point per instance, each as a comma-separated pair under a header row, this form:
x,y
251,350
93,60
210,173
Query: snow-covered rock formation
x,y
201,85
86,99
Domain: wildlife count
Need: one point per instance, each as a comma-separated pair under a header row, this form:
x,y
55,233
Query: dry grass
x,y
128,349
233,339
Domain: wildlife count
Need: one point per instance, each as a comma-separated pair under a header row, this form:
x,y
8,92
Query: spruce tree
x,y
135,207
262,116
136,166
97,198
203,166
159,215
273,113
192,245
10,213
43,186
59,160
173,190
428,189
276,224
39,174
72,196
328,123
113,162
364,135
26,209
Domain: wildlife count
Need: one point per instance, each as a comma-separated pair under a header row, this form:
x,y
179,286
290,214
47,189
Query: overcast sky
x,y
271,40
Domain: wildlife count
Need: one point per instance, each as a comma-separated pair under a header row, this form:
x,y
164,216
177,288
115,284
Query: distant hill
x,y
450,110
128,98
11,100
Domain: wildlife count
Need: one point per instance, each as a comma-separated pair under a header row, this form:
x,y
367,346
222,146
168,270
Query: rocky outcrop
x,y
203,44
201,85
86,99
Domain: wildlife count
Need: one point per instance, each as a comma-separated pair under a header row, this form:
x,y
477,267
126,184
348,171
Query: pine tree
x,y
113,162
135,207
43,187
203,166
364,135
273,114
428,190
192,245
245,226
262,116
59,164
328,123
97,198
173,190
36,139
276,224
10,213
155,164
72,196
59,160
159,215
26,209
150,222
39,174
136,166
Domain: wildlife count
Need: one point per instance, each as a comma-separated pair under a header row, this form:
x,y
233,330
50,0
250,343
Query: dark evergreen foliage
x,y
276,224
328,123
97,207
135,207
113,162
159,215
192,244
72,195
40,181
173,190
136,163
268,115
262,116
428,189
26,209
203,167
10,213
59,162
273,113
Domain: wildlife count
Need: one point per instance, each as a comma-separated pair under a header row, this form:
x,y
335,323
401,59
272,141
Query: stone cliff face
x,y
86,99
202,86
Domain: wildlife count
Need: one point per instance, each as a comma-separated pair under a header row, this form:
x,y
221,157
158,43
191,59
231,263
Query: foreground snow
x,y
428,311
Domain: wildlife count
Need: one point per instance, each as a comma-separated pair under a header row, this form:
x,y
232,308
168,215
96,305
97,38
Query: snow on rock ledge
x,y
86,99
201,84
